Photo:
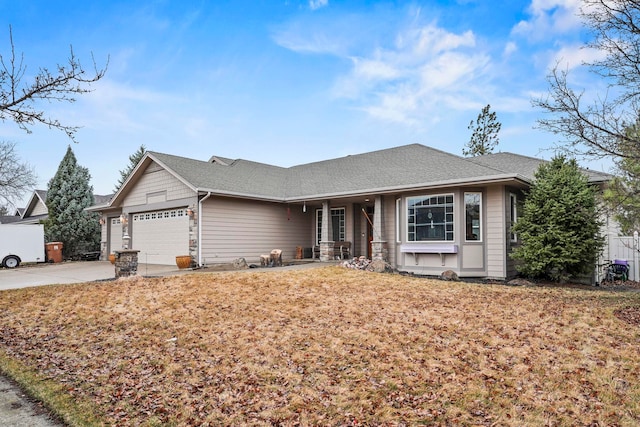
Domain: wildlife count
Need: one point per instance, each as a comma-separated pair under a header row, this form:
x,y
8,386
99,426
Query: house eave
x,y
414,187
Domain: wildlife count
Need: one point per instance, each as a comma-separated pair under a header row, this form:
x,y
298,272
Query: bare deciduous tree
x,y
16,178
20,98
597,128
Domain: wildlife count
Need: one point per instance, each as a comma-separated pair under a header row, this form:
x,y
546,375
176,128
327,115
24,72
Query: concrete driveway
x,y
90,271
71,272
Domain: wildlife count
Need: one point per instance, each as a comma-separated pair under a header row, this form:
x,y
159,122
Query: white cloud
x,y
412,74
549,18
425,70
298,40
317,4
569,57
509,49
374,69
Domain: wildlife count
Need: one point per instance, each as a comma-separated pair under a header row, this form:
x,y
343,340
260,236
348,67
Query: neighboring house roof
x,y
38,197
527,166
7,219
413,166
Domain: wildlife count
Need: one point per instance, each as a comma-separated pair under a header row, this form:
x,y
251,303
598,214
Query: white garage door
x,y
115,235
160,236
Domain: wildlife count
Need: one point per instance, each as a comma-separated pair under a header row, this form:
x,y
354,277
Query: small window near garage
x,y
473,216
513,215
430,218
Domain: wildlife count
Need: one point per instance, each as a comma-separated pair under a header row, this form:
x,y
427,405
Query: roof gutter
x,y
200,227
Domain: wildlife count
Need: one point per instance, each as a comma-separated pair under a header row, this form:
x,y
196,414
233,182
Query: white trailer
x,y
21,243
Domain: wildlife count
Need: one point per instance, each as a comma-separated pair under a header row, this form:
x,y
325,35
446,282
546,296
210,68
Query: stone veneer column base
x,y
126,263
326,251
379,250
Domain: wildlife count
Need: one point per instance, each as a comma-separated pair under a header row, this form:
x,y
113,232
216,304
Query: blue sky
x,y
294,81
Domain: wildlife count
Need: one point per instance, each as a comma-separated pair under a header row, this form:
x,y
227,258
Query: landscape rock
x,y
449,275
519,282
240,264
362,263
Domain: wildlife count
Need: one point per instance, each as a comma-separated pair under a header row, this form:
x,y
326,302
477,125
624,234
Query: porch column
x,y
326,237
378,244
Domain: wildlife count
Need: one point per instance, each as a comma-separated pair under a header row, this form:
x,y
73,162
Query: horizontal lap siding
x,y
40,209
496,233
234,228
155,180
389,227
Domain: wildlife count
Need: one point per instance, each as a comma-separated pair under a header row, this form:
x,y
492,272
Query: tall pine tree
x,y
134,159
69,193
484,136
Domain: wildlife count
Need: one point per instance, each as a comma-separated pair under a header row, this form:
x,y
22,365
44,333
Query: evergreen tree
x,y
484,136
134,159
559,228
69,193
623,192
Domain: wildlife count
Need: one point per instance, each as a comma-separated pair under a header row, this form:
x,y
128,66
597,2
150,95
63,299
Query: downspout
x,y
200,227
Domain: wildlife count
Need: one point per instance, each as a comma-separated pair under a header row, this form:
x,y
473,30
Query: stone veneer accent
x,y
126,263
326,251
379,250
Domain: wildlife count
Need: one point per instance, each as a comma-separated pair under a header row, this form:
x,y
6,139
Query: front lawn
x,y
328,346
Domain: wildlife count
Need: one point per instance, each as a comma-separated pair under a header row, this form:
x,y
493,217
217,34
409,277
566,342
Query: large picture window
x,y
336,228
473,216
430,218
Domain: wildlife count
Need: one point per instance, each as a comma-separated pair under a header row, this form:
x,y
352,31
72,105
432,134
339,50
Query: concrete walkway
x,y
17,410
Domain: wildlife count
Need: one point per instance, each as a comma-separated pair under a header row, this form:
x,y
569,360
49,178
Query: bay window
x,y
430,218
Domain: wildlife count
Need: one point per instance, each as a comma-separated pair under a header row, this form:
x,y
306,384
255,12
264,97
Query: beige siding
x,y
496,232
234,228
154,183
40,209
389,227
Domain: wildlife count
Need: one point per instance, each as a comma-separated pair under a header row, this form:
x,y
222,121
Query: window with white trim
x,y
473,216
513,215
398,215
336,228
430,218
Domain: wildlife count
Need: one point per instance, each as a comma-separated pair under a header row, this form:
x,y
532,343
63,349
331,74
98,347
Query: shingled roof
x,y
403,168
527,166
400,168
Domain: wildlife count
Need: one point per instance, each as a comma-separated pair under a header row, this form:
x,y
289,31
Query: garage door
x,y
160,236
115,235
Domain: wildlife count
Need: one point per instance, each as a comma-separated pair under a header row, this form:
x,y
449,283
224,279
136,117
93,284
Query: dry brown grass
x,y
329,347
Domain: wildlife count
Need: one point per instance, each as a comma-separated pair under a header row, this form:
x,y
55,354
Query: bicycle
x,y
616,270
